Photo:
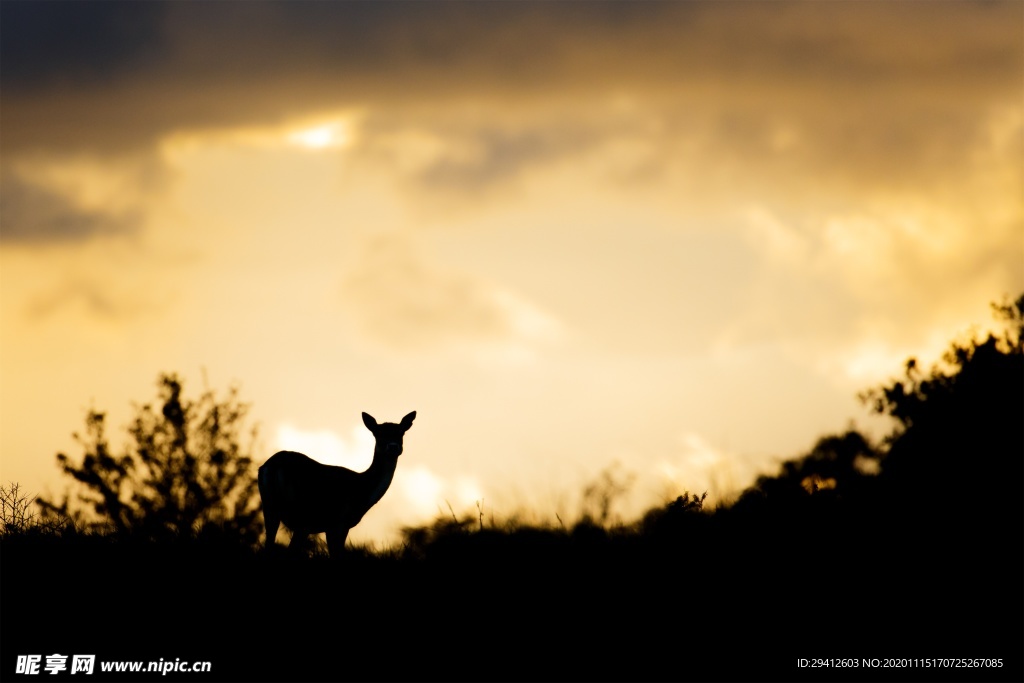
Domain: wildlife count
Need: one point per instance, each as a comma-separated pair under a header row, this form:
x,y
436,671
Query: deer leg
x,y
299,542
336,542
272,523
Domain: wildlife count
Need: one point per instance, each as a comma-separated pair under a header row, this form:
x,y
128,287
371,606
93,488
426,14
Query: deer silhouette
x,y
312,498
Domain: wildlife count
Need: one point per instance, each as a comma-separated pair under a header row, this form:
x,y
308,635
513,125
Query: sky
x,y
671,241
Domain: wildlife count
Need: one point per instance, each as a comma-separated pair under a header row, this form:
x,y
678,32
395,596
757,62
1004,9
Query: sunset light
x,y
568,268
607,252
326,136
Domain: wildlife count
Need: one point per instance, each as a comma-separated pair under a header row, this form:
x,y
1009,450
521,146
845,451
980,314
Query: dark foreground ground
x,y
851,605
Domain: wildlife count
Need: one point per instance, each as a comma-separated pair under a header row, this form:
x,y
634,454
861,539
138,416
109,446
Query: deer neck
x,y
379,475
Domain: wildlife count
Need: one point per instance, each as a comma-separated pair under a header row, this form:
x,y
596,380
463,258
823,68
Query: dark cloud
x,y
477,152
30,214
58,44
109,73
752,99
502,154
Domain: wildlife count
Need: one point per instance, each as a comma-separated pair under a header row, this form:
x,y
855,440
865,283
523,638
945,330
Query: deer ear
x,y
407,420
370,423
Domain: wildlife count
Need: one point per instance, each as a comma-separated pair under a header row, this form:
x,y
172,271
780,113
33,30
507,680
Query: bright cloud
x,y
398,298
327,446
428,494
422,490
697,465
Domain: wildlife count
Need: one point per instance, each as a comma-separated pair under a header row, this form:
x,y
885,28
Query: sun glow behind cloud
x,y
331,135
321,134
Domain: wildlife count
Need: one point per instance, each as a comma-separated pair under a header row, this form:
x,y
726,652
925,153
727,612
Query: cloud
x,y
830,118
782,243
397,298
31,214
463,99
72,44
469,151
133,72
855,293
696,466
426,494
467,156
496,154
327,446
72,198
98,300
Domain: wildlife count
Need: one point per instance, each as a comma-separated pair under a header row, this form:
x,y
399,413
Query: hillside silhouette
x,y
907,550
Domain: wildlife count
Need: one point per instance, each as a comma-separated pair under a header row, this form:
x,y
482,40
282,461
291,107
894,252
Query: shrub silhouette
x,y
18,515
840,467
956,451
675,516
958,445
185,471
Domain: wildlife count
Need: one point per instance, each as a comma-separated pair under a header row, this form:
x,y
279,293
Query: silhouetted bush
x,y
840,467
958,446
185,471
16,514
675,517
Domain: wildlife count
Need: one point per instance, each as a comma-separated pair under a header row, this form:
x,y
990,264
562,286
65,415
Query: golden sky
x,y
679,237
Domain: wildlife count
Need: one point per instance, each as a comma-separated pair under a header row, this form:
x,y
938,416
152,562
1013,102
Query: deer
x,y
312,498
